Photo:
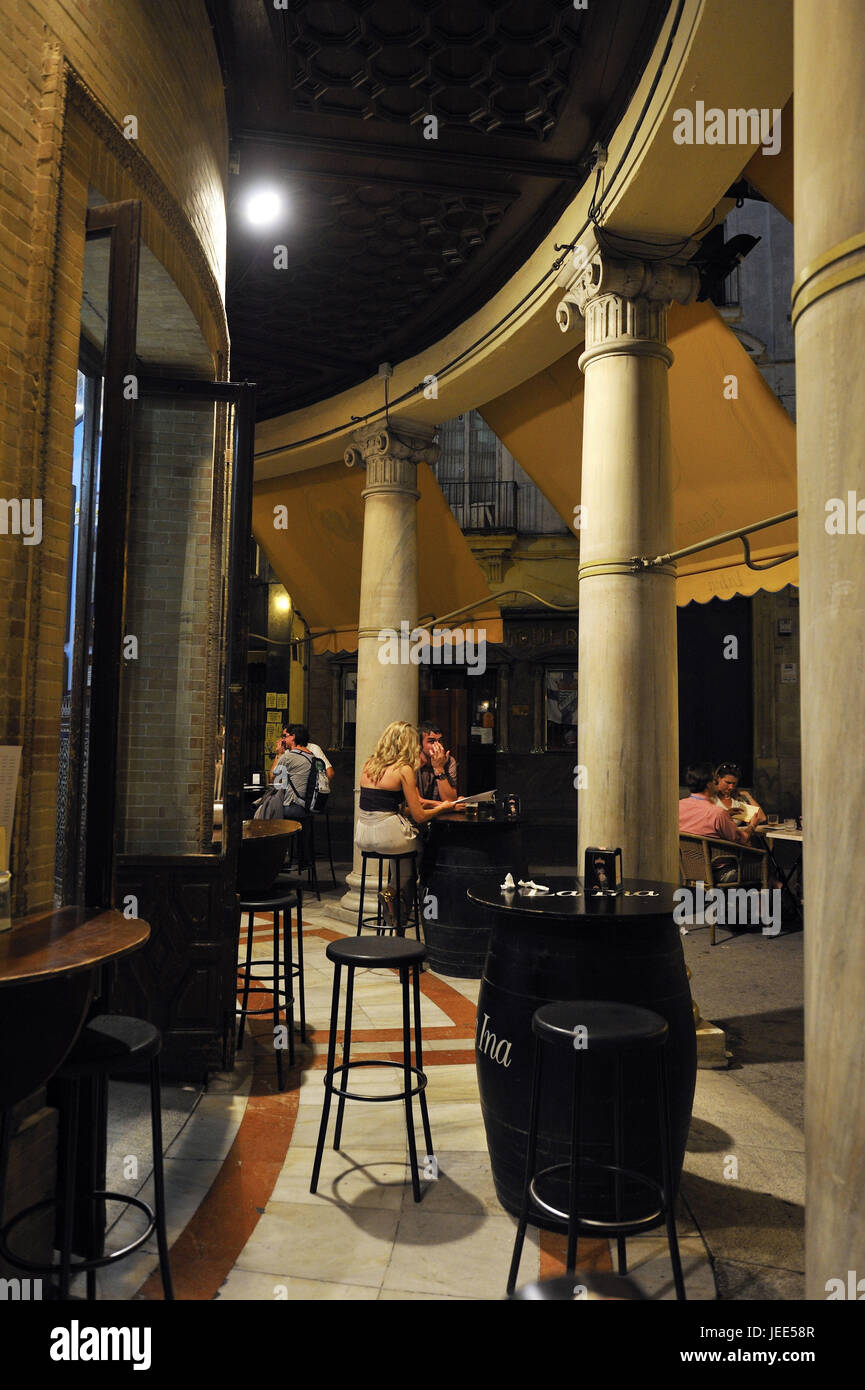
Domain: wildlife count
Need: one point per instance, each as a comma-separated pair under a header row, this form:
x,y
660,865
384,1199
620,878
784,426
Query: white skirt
x,y
384,831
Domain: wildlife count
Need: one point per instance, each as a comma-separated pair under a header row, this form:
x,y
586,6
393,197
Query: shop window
x,y
349,709
560,698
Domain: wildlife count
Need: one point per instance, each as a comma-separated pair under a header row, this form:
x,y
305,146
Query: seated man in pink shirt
x,y
699,814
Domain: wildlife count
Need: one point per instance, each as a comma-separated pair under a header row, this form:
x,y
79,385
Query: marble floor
x,y
244,1225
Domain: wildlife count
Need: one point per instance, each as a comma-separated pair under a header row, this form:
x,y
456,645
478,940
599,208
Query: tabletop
x,y
262,829
49,945
781,832
566,899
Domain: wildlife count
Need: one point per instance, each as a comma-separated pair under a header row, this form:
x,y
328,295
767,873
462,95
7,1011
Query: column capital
x,y
390,453
624,303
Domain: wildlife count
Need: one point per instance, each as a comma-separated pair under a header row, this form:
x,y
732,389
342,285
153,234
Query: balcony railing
x,y
485,507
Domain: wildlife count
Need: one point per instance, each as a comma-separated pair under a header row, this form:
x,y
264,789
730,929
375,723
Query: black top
x,y
642,898
379,799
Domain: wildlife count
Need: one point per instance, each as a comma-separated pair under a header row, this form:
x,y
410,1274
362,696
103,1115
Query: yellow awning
x,y
772,174
318,556
734,452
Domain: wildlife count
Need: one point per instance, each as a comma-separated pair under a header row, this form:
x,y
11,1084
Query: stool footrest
x,y
591,1223
382,927
78,1266
373,1062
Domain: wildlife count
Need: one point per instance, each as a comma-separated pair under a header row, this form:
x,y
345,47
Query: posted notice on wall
x,y
10,763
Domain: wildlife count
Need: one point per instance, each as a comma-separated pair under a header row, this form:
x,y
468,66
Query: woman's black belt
x,y
378,799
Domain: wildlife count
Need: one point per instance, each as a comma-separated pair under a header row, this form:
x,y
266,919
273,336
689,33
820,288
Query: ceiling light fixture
x,y
263,206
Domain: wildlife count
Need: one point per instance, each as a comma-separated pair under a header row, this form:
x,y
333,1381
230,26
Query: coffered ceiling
x,y
423,150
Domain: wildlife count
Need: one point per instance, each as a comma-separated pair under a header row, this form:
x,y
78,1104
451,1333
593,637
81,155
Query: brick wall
x,y
165,739
70,72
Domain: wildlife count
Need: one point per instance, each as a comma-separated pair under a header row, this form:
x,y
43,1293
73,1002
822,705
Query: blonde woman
x,y
389,781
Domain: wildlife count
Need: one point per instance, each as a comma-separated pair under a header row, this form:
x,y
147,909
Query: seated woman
x,y
388,780
739,805
699,814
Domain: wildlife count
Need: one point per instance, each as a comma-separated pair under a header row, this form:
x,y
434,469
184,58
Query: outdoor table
x,y
792,873
462,852
563,945
262,851
49,972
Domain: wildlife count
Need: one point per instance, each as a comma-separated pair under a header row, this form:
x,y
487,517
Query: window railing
x,y
486,506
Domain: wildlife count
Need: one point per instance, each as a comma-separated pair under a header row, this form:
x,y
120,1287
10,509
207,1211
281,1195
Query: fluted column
x,y
829,322
388,585
628,703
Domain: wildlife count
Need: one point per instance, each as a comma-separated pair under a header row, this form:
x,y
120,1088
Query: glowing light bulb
x,y
263,207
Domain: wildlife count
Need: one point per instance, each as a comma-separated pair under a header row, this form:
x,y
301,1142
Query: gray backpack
x,y
270,807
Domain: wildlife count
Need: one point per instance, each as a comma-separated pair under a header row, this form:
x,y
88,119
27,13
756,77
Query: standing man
x,y
437,774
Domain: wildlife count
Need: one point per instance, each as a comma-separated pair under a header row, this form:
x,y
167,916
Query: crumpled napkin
x,y
529,887
508,886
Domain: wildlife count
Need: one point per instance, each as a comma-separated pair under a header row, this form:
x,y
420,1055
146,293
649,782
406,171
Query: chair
x,y
109,1044
613,1033
376,953
696,865
320,811
263,889
302,848
413,910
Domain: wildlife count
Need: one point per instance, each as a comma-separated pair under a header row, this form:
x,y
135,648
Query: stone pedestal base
x,y
711,1046
347,908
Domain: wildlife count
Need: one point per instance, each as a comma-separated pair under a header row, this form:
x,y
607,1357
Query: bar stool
x,y
376,953
322,810
301,854
378,921
109,1044
278,902
612,1030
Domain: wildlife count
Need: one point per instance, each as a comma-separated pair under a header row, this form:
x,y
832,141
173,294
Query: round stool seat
x,y
580,1286
609,1024
376,951
282,895
110,1043
387,854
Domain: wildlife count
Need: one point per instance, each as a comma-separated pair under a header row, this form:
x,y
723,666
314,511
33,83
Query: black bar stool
x,y
108,1045
322,812
378,921
278,902
301,853
591,1028
376,953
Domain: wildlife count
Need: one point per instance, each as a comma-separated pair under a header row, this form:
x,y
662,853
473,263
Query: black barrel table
x,y
461,853
564,945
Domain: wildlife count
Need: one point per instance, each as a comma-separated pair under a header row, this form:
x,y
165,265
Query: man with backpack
x,y
296,772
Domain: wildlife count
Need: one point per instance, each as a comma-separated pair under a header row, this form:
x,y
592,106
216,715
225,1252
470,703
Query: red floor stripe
x,y
204,1254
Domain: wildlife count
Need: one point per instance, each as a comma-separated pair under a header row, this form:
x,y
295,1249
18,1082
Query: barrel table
x,y
462,853
566,945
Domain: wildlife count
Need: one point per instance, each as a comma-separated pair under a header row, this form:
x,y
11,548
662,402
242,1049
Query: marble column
x,y
388,588
829,322
628,702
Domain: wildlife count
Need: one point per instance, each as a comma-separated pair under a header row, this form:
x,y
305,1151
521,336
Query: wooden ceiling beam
x,y
555,169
